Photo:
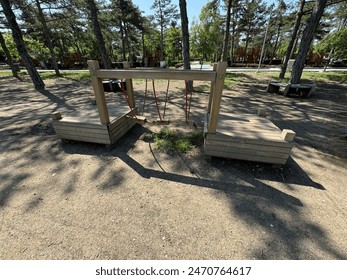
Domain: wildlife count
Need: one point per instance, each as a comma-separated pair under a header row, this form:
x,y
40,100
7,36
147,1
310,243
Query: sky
x,y
193,7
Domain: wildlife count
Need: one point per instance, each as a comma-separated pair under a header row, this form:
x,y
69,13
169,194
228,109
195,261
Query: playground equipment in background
x,y
245,137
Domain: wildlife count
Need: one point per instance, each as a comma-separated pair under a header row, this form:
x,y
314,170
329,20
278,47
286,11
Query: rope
x,y
166,97
144,100
156,101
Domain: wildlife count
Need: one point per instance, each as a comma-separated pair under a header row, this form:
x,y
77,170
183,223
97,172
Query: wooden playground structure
x,y
245,137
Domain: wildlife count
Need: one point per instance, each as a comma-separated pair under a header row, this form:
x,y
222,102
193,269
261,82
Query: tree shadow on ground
x,y
251,196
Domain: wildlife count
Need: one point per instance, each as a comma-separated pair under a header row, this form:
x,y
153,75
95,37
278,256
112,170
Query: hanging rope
x,y
156,101
127,99
166,97
144,99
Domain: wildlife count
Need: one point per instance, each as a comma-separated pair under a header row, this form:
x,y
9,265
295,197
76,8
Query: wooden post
x,y
213,84
288,135
98,92
217,96
129,84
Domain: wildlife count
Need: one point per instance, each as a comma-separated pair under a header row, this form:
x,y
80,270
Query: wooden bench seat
x,y
301,90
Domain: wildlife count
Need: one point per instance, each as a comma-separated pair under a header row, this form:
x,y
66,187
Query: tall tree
x,y
226,32
185,34
18,38
8,56
98,34
164,12
206,34
252,19
292,39
306,40
128,21
47,37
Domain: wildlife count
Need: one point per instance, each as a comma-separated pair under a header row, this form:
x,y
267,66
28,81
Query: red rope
x,y
127,99
156,101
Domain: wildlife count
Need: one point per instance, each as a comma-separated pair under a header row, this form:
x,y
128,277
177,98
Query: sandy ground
x,y
83,201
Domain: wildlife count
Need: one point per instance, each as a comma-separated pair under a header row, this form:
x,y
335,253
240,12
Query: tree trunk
x,y
98,34
185,38
46,34
227,33
18,39
185,34
293,39
306,41
123,40
232,49
8,56
276,44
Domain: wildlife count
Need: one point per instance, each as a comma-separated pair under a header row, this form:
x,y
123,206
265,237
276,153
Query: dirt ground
x,y
83,201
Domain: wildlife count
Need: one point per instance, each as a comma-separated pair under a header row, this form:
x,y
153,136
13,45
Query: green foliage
x,y
170,141
173,44
336,43
206,34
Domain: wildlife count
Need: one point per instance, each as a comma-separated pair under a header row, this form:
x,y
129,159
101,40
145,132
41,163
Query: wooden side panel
x,y
120,126
86,132
258,150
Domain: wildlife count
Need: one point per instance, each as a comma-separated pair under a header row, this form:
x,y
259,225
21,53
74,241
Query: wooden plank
x,y
116,135
256,141
82,134
76,124
120,121
245,157
217,95
84,130
249,146
98,92
247,152
157,74
85,138
120,125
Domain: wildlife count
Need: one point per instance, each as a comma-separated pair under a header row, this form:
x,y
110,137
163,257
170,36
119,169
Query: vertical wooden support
x,y
98,92
217,96
129,84
213,84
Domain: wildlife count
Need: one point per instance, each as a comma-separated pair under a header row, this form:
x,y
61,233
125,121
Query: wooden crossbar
x,y
156,74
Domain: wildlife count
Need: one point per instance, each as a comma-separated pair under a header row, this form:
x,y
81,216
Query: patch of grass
x,y
170,141
79,76
234,79
5,74
182,145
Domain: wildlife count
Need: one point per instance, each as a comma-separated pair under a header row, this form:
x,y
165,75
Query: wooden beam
x,y
164,74
217,96
129,85
98,92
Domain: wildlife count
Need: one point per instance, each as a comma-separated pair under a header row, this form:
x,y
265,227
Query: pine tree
x,y
164,12
21,47
306,41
